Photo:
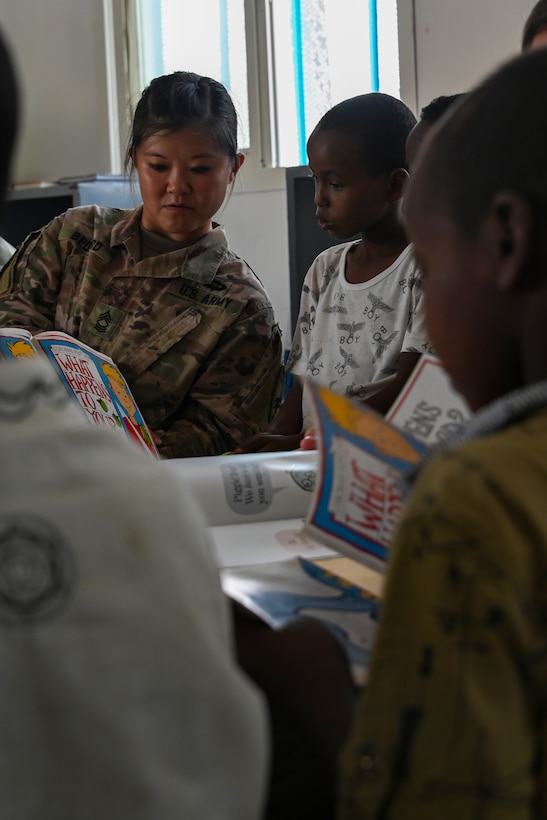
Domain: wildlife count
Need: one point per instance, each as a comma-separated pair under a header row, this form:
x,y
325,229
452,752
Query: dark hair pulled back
x,y
180,100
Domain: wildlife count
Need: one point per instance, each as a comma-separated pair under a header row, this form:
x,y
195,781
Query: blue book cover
x,y
358,498
90,378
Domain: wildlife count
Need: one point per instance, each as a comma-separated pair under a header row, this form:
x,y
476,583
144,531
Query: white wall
x,y
256,224
59,45
460,41
59,49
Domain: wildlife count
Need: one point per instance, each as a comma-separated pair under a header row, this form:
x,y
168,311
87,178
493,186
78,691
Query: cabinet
x,y
30,208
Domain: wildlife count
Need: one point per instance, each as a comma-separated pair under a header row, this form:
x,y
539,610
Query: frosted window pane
x,y
324,51
207,37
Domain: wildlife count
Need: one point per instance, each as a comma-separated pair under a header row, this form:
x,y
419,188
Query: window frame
x,y
259,172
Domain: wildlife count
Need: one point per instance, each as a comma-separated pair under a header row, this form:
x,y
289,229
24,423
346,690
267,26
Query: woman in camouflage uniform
x,y
157,288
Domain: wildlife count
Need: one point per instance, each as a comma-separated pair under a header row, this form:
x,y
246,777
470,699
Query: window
x,y
207,37
309,55
323,51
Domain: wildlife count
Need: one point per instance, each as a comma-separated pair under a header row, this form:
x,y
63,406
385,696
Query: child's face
x,y
348,199
462,310
540,39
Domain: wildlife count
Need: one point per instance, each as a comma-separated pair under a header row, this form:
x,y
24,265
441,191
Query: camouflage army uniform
x,y
193,331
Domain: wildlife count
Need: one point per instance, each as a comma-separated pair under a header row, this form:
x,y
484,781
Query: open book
x,y
255,504
345,497
90,378
364,457
298,588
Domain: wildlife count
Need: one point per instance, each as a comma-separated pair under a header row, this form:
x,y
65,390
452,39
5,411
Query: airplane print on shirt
x,y
348,361
335,309
351,329
377,305
307,320
328,276
314,368
382,343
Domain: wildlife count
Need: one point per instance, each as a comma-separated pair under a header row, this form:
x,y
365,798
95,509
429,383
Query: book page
x,y
262,542
246,488
254,504
358,500
428,407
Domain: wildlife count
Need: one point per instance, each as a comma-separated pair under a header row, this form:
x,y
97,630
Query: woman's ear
x,y
236,165
509,224
397,181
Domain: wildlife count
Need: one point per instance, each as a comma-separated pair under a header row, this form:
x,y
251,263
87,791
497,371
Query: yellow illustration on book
x,y
21,349
131,423
348,415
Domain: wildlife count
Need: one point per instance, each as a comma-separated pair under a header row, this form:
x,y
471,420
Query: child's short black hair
x,y
378,123
536,22
493,141
434,110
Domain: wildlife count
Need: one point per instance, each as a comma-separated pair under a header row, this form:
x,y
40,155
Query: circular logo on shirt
x,y
36,570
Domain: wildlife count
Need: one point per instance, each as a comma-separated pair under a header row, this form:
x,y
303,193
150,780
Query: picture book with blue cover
x,y
363,458
92,379
356,501
358,498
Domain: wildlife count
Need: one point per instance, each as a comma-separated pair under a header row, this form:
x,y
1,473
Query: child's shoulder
x,y
405,259
487,465
403,268
331,258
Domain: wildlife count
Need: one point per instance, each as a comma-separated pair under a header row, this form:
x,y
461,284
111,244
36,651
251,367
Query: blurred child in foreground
x,y
534,32
452,721
119,694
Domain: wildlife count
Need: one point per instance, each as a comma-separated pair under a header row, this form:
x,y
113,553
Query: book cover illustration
x,y
358,500
98,386
91,378
16,343
280,592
